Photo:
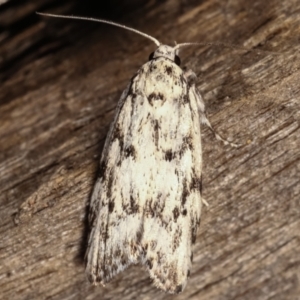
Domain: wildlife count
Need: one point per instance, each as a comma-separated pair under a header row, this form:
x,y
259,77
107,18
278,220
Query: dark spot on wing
x,y
154,209
145,248
182,150
114,268
119,161
133,247
152,96
177,238
118,252
139,236
133,95
195,183
175,213
109,185
168,70
156,132
124,259
187,140
155,97
160,77
118,135
185,99
130,151
186,144
148,210
134,207
159,257
149,263
104,233
173,272
169,155
185,193
153,245
111,206
152,67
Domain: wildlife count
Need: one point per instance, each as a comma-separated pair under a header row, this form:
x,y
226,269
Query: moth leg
x,y
204,202
191,77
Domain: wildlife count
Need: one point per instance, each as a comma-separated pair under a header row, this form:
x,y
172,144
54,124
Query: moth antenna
x,y
225,45
102,21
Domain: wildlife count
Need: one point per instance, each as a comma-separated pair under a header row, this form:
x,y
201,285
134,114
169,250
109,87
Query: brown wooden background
x,y
60,82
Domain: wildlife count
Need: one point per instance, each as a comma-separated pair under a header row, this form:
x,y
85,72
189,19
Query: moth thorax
x,y
165,51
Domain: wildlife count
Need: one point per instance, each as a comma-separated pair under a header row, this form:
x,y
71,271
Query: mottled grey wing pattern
x,y
146,202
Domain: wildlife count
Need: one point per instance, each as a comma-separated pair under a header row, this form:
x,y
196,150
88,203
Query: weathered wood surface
x,y
61,81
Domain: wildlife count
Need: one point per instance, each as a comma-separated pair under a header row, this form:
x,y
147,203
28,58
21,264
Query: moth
x,y
146,203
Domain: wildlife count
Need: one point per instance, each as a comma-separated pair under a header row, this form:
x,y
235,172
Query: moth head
x,y
166,52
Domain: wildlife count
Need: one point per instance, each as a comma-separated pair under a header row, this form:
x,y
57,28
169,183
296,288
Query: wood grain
x,y
60,82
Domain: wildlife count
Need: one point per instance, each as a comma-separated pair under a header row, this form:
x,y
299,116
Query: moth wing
x,y
147,201
173,208
108,244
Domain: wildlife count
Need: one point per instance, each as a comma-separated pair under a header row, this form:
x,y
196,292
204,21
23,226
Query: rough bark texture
x,y
60,82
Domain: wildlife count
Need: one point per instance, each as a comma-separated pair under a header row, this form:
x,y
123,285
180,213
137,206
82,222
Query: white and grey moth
x,y
146,203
